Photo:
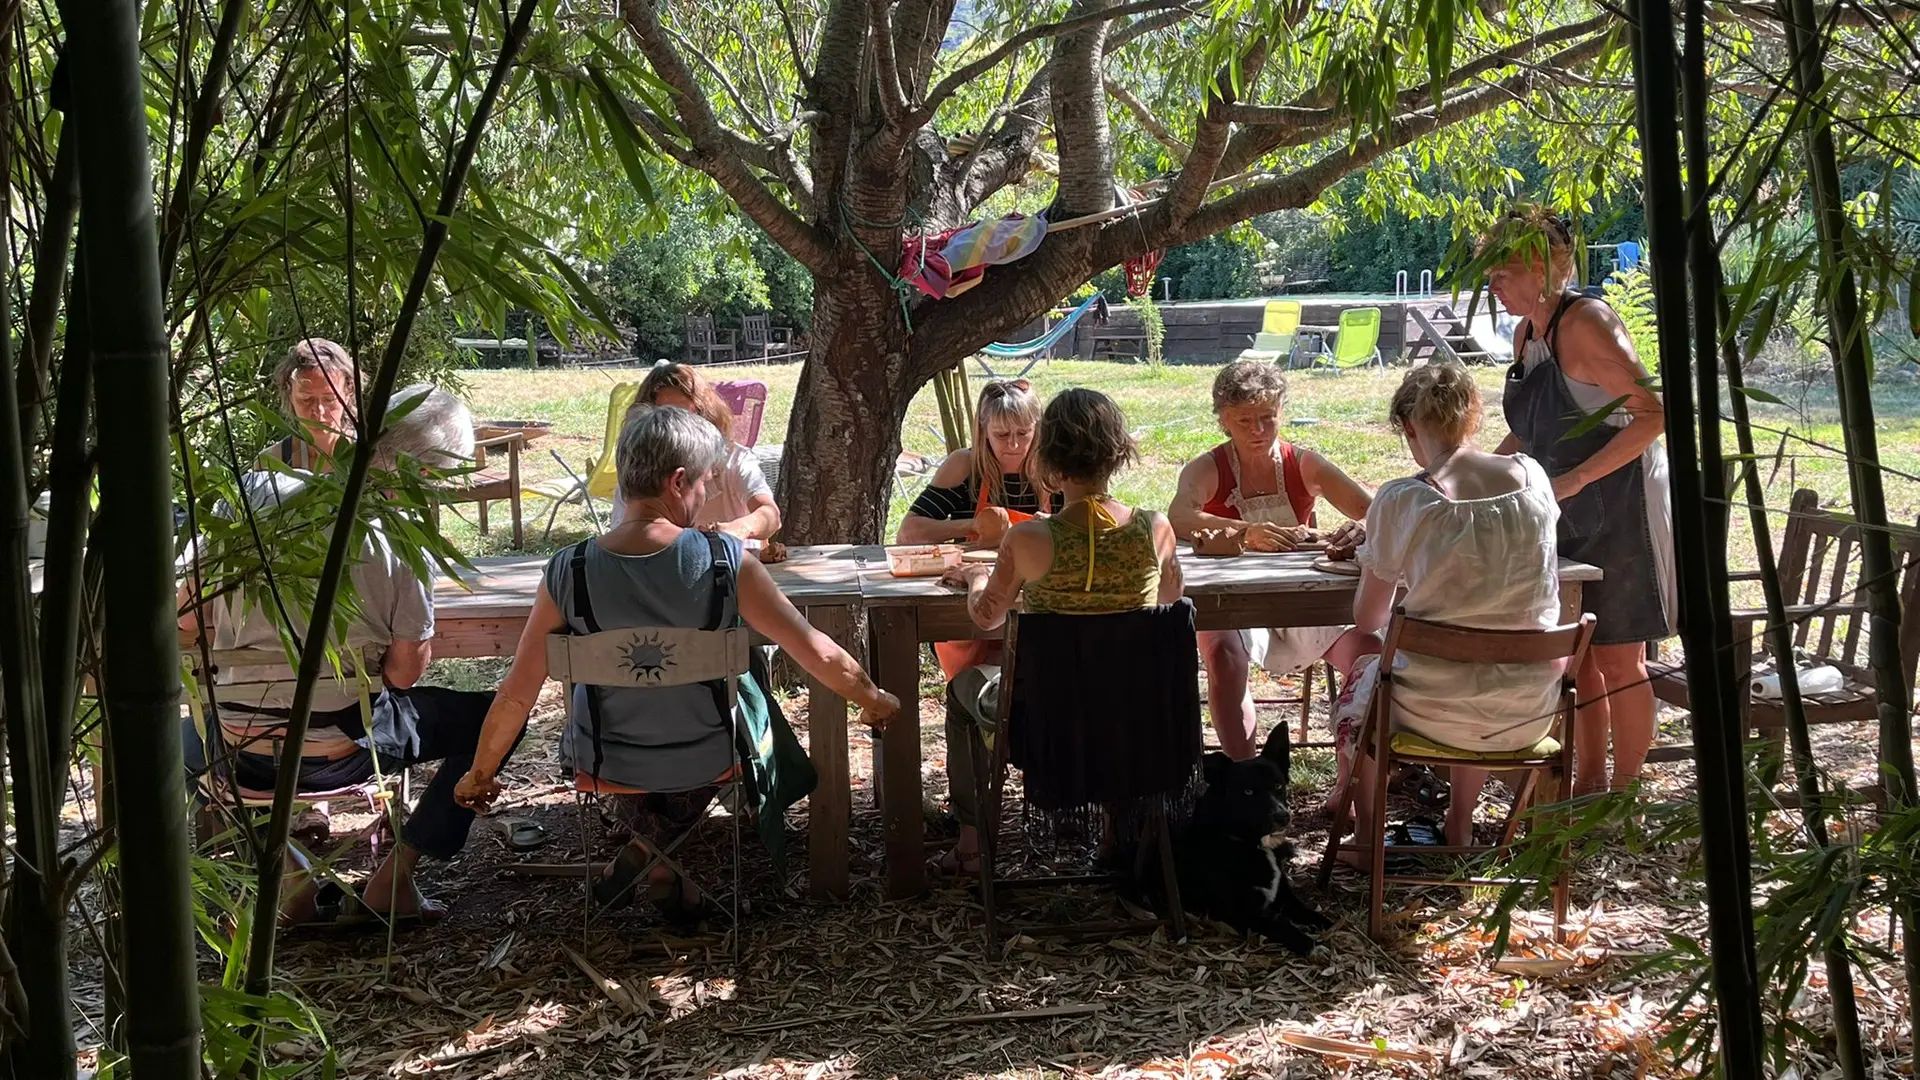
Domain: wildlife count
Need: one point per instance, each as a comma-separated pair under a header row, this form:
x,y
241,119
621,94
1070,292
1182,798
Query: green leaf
x,y
1758,394
1762,326
626,137
1595,418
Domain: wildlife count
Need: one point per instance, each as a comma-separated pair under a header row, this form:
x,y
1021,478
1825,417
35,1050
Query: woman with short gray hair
x,y
664,749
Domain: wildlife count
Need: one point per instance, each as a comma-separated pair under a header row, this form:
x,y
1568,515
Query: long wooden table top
x,y
502,587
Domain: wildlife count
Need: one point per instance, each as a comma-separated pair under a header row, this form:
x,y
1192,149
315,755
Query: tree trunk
x,y
140,654
836,476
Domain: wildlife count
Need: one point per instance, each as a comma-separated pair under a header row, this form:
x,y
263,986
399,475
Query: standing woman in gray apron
x,y
1572,357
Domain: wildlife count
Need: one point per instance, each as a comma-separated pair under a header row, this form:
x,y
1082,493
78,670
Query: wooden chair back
x,y
699,331
1469,645
756,331
1820,573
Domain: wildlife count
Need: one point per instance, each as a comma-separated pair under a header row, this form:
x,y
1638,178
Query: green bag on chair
x,y
779,772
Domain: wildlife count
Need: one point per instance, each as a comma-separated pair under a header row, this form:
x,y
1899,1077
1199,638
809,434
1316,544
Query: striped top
x,y
961,500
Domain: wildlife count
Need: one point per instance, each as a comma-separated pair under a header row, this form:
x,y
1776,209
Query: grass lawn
x,y
1170,413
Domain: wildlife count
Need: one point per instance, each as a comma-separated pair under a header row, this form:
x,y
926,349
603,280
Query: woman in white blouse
x,y
1472,540
739,499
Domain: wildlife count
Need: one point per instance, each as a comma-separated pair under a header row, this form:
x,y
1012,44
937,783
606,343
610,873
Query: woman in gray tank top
x,y
666,746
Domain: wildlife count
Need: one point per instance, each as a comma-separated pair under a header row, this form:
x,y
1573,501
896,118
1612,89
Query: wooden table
x,y
482,613
1252,590
832,585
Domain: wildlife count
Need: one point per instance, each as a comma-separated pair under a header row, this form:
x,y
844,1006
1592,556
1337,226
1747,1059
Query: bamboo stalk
x,y
259,967
140,670
49,275
1852,370
35,930
1716,726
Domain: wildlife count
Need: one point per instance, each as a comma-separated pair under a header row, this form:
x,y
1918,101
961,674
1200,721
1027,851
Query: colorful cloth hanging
x,y
949,263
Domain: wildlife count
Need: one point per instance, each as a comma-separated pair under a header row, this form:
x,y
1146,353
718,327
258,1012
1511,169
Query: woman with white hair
x,y
667,745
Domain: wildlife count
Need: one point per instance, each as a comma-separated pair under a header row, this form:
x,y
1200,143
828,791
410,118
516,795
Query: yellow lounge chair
x,y
601,479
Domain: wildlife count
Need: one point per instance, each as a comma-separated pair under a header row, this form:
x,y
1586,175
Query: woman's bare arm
x,y
1595,348
1199,482
915,529
1173,583
512,703
1373,603
767,610
1326,480
762,519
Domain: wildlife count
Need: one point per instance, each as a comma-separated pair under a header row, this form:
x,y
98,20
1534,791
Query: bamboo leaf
x,y
1595,418
1762,326
1758,394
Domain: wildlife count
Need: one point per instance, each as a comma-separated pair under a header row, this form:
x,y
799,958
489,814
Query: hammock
x,y
1044,341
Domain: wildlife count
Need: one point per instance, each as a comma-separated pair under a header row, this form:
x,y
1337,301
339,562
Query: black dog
x,y
1230,859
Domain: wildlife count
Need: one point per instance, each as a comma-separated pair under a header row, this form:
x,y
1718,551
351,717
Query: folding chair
x,y
1552,755
748,400
602,479
387,796
1278,327
1074,651
1357,343
656,657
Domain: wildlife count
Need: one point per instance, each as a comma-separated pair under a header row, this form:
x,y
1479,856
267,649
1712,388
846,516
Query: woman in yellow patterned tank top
x,y
1095,557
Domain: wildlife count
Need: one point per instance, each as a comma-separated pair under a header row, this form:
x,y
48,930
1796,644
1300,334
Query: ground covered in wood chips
x,y
515,986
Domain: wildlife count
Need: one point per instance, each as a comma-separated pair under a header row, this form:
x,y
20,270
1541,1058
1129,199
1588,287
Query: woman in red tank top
x,y
1264,485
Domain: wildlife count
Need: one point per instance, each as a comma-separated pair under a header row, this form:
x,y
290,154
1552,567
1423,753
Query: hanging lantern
x,y
1140,270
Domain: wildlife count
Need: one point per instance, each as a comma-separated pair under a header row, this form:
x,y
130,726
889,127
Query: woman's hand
x,y
878,709
1345,540
991,525
1567,485
1263,536
966,576
476,790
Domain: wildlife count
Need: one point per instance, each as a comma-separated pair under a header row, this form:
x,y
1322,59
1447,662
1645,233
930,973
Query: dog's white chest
x,y
1274,877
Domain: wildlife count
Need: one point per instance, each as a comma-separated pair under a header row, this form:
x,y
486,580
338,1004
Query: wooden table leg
x,y
831,804
896,668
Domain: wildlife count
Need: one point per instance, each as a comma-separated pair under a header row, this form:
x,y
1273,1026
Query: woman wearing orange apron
x,y
978,492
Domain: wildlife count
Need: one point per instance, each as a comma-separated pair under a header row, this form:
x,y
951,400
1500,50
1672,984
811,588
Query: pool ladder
x,y
1400,280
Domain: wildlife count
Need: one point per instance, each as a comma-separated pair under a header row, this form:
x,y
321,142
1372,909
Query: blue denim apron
x,y
1605,524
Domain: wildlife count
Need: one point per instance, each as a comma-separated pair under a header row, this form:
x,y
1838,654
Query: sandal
x,y
521,834
1416,833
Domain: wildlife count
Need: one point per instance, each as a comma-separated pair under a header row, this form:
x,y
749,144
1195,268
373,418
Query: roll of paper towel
x,y
1819,680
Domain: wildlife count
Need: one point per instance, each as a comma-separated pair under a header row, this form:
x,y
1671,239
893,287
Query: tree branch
x,y
1267,115
1302,186
893,100
948,86
1154,125
717,151
759,126
198,131
1210,137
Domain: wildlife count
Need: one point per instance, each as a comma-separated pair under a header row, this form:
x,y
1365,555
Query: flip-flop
x,y
362,917
1417,833
521,834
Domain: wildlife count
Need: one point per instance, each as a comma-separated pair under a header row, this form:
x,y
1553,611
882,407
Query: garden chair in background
x,y
1819,570
489,484
1357,343
704,344
763,340
601,479
1551,757
1278,328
